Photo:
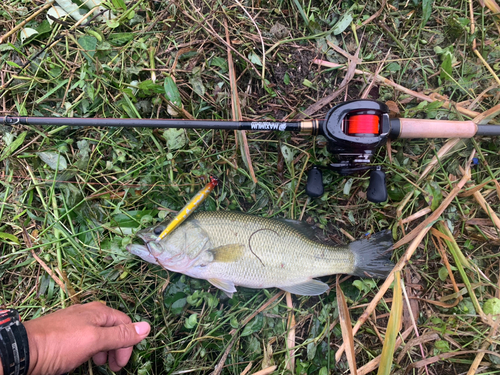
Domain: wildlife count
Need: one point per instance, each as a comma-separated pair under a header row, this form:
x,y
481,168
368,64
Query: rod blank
x,y
310,127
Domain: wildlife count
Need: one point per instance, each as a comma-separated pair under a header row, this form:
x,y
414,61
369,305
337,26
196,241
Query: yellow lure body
x,y
188,209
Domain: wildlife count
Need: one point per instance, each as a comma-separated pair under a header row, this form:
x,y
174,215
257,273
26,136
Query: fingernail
x,y
142,328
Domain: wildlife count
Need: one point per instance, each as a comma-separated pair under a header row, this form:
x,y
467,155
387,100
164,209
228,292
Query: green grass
x,y
79,220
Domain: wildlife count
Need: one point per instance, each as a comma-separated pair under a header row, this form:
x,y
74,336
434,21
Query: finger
x,y
118,358
112,361
122,336
106,316
100,358
123,355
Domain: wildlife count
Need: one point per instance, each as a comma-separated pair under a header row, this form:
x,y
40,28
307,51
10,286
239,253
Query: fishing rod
x,y
354,130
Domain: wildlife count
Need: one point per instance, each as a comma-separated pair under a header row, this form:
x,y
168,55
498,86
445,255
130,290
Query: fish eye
x,y
158,229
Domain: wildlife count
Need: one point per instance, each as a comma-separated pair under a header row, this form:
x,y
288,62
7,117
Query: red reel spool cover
x,y
363,124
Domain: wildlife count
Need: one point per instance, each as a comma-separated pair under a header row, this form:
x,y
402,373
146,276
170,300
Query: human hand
x,y
61,341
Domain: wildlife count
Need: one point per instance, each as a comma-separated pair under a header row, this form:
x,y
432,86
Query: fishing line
x,y
250,245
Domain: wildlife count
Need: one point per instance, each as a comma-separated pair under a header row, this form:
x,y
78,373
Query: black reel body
x,y
354,130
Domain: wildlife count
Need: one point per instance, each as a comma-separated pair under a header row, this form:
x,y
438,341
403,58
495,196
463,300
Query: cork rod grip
x,y
418,128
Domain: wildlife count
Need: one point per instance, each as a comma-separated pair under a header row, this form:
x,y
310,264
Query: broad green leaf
x,y
88,43
234,322
119,39
426,10
83,154
149,87
113,24
311,350
13,146
254,59
197,85
54,160
393,67
492,306
176,138
8,237
194,299
342,24
131,218
119,4
348,185
56,12
71,8
446,67
26,33
72,194
44,27
434,196
178,306
447,60
220,63
365,285
288,153
443,346
255,325
286,79
192,321
6,47
172,94
443,273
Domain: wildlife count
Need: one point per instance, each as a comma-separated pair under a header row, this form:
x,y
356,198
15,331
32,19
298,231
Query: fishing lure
x,y
189,207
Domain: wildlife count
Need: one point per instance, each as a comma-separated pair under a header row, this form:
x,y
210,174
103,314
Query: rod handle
x,y
422,128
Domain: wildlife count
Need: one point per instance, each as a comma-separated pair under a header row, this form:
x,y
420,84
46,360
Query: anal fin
x,y
224,285
309,288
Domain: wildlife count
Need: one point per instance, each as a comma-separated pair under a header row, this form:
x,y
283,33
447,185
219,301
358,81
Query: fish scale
x,y
233,249
274,251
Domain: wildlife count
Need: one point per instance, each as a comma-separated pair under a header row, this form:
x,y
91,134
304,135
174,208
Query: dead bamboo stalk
x,y
487,208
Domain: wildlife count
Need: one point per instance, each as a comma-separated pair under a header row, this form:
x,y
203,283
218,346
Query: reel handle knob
x,y
377,189
314,186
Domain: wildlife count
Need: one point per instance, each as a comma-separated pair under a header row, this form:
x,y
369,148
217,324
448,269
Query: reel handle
x,y
377,189
376,192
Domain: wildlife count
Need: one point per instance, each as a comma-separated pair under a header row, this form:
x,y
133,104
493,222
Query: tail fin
x,y
372,255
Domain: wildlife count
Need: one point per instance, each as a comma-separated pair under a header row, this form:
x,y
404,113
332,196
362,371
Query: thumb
x,y
123,335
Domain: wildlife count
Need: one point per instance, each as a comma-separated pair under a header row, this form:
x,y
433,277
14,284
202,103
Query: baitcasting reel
x,y
354,131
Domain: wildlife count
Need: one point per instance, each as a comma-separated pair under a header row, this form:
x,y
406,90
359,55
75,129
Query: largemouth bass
x,y
233,249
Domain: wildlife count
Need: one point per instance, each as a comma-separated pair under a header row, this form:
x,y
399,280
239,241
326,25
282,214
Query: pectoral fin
x,y
309,288
228,253
224,285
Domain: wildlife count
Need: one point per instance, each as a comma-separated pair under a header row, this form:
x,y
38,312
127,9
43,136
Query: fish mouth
x,y
147,236
136,249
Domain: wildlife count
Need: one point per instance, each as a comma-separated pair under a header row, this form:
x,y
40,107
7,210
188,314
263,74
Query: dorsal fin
x,y
300,226
228,253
